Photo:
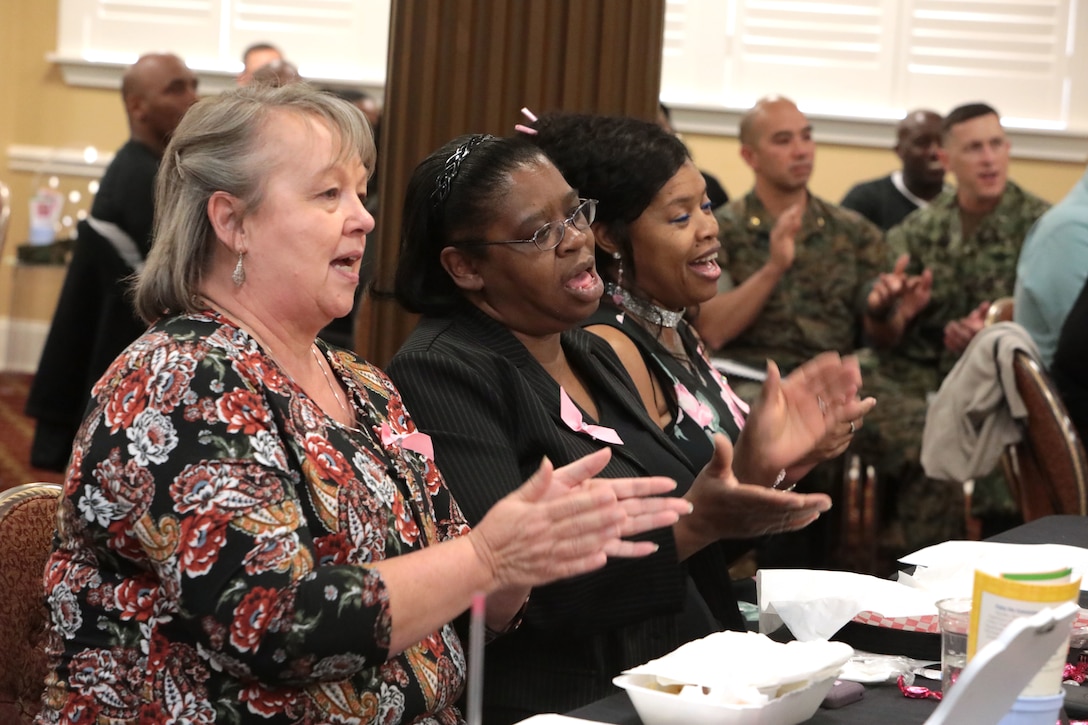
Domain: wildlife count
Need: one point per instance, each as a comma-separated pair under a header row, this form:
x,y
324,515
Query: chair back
x,y
1047,470
27,523
1000,310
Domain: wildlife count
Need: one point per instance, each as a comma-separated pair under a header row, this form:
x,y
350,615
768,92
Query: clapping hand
x,y
562,522
724,508
808,416
959,333
898,292
783,235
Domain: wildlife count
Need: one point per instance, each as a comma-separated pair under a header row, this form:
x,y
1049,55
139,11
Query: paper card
x,y
998,599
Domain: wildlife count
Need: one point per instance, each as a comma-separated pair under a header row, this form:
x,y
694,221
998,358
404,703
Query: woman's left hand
x,y
806,417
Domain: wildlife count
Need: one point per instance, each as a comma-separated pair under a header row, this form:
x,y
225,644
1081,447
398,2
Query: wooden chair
x,y
1000,311
27,523
1047,471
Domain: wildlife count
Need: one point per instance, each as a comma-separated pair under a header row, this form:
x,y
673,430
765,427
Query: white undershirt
x,y
897,181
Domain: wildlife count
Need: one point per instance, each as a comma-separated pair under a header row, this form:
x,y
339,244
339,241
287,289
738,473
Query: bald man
x,y
94,319
800,276
797,269
888,200
156,91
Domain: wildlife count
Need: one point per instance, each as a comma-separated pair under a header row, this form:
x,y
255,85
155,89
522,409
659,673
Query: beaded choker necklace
x,y
648,311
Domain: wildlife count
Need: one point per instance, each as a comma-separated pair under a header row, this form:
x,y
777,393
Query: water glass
x,y
954,616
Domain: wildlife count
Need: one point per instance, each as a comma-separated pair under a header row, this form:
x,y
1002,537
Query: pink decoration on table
x,y
917,692
414,441
570,414
1077,673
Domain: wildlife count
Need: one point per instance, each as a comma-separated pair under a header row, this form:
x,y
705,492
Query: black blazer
x,y
94,321
493,413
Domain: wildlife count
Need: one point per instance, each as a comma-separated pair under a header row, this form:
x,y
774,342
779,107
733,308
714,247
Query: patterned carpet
x,y
16,431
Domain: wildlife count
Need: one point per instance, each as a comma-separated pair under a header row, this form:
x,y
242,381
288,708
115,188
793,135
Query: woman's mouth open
x,y
706,266
586,285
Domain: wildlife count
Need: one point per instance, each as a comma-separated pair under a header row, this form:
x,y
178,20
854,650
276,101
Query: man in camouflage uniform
x,y
970,238
798,270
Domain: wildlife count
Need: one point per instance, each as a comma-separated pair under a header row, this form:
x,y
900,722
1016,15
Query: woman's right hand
x,y
562,522
724,508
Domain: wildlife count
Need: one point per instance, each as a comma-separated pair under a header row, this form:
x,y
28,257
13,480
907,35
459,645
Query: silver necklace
x,y
332,388
648,311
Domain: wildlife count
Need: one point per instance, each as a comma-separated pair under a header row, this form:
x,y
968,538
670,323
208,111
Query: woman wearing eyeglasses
x,y
498,255
657,249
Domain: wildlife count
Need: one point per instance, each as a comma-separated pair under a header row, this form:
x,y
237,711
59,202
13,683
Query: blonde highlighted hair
x,y
216,147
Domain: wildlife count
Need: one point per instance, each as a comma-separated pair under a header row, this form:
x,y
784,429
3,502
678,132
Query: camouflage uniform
x,y
815,307
966,272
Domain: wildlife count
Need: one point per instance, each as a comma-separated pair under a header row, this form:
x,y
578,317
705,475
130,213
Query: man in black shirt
x,y
888,200
94,319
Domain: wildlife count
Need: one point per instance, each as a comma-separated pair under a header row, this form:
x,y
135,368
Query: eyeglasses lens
x,y
551,235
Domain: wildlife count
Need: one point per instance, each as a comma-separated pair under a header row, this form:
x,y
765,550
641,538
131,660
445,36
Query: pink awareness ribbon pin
x,y
415,441
570,414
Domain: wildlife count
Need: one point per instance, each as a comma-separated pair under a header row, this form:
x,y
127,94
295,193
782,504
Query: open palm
x,y
795,415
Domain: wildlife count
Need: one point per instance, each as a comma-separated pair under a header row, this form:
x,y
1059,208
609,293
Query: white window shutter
x,y
879,58
1010,54
827,56
328,39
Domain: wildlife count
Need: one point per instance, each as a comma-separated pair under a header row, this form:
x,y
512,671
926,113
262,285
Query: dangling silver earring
x,y
619,268
238,276
617,289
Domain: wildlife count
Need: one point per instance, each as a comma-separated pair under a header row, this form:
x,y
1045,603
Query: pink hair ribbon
x,y
528,130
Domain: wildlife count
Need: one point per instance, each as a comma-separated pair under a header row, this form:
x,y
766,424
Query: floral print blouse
x,y
211,562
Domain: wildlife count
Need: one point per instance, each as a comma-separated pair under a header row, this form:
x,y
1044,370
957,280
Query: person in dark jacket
x,y
94,320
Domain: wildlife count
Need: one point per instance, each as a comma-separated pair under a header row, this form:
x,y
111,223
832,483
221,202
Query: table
x,y
882,703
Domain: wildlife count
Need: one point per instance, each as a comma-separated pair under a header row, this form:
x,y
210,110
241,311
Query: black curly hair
x,y
621,162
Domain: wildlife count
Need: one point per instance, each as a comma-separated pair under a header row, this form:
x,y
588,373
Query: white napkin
x,y
745,667
948,569
815,604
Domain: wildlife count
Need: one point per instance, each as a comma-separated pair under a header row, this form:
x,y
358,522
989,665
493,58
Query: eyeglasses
x,y
551,234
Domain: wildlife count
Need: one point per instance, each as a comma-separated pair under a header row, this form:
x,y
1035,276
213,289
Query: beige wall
x,y
840,167
39,109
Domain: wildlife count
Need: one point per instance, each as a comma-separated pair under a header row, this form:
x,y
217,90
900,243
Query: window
x,y
857,65
329,40
878,58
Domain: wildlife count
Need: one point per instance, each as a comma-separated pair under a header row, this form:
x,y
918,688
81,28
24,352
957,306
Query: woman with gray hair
x,y
253,530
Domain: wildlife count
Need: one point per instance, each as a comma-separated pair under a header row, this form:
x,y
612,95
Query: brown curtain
x,y
468,66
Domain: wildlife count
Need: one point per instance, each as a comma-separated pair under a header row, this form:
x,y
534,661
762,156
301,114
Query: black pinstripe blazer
x,y
493,413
